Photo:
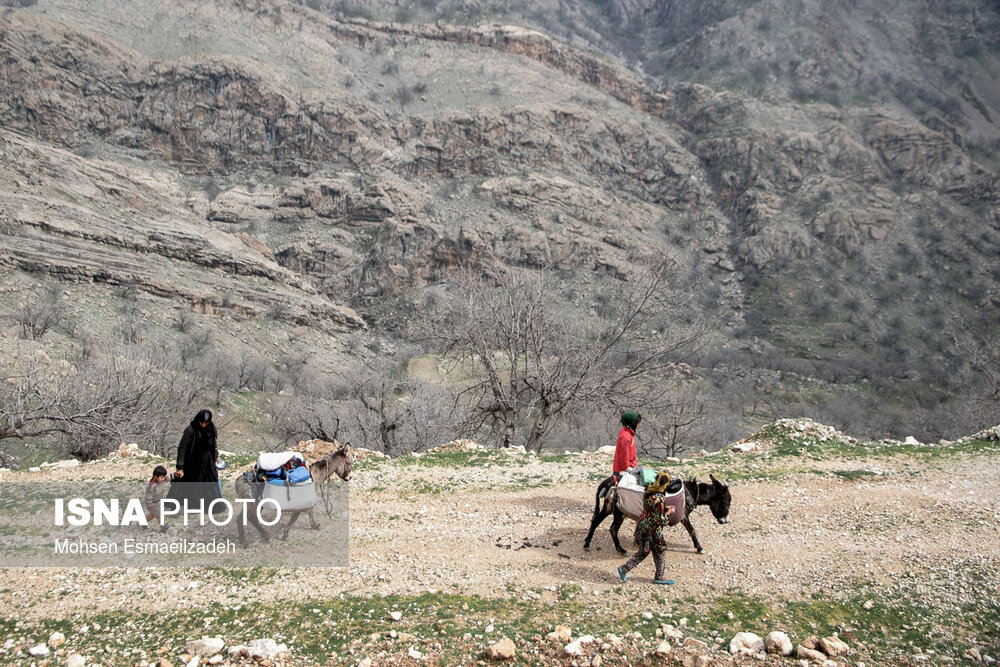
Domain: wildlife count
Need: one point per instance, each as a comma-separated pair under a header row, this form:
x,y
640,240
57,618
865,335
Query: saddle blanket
x,y
630,504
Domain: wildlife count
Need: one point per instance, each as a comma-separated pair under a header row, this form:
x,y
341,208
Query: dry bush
x,y
36,318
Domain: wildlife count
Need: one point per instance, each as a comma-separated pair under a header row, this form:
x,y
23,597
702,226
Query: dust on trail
x,y
471,530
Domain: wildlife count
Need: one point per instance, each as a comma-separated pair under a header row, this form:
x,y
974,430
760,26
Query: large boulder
x,y
778,643
746,642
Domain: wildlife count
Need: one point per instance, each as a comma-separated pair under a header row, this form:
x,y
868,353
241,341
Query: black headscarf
x,y
204,435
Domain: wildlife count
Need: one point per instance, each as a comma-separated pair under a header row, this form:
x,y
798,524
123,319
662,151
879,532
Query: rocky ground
x,y
893,547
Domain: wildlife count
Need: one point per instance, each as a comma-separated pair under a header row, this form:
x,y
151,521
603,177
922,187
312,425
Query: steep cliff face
x,y
281,155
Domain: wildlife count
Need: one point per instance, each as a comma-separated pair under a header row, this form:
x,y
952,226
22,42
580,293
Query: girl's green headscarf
x,y
631,419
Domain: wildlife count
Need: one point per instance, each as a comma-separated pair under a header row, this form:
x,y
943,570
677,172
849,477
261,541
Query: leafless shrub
x,y
36,317
132,324
184,322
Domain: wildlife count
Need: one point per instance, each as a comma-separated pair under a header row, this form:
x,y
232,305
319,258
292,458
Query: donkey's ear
x,y
715,481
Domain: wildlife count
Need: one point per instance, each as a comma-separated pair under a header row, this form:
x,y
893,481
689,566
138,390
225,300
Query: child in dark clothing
x,y
156,490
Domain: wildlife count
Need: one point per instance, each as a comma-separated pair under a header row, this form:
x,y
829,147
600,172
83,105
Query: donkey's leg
x,y
615,525
312,519
598,518
252,518
242,532
291,522
694,535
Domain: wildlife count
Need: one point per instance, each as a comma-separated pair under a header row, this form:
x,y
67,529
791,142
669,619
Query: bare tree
x,y
393,411
533,361
118,395
295,418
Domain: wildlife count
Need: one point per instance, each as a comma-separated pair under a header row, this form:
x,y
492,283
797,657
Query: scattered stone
x,y
574,649
39,651
163,662
128,451
415,654
973,654
672,633
664,648
265,649
563,633
75,660
205,647
691,642
56,639
833,646
746,642
502,650
778,643
396,615
809,654
811,642
367,662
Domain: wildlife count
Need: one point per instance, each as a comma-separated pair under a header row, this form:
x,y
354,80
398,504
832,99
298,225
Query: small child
x,y
156,491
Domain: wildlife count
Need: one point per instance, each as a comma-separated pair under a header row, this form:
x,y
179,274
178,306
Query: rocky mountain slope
x,y
303,167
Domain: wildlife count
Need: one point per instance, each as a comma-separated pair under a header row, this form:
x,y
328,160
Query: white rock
x,y
586,639
367,662
265,649
777,642
396,615
75,660
664,648
746,642
574,649
414,654
205,647
56,639
670,632
39,651
194,662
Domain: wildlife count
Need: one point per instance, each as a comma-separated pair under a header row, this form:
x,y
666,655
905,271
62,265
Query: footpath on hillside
x,y
464,554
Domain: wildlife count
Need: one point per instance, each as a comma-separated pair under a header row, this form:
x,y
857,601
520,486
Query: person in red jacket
x,y
625,458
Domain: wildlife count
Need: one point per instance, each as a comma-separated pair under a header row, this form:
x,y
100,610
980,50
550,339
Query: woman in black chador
x,y
197,456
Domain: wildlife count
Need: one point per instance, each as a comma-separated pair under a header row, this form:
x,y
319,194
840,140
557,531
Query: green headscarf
x,y
631,419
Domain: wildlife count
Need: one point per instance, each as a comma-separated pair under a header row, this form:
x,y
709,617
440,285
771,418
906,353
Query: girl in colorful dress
x,y
649,530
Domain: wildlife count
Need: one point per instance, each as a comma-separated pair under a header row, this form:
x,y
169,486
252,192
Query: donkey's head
x,y
721,498
336,463
343,459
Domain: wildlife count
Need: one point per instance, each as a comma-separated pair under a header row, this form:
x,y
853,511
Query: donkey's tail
x,y
605,487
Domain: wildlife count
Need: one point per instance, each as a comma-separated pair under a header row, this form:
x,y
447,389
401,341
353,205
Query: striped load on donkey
x,y
284,478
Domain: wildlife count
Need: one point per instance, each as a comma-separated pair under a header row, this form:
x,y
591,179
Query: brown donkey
x,y
338,462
